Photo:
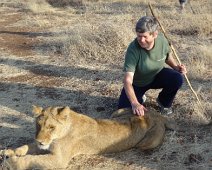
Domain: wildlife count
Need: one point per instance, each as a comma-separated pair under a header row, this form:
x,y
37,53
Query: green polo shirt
x,y
146,63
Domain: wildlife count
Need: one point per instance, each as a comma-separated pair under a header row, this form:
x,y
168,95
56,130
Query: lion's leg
x,y
7,152
153,137
124,113
20,151
48,161
169,123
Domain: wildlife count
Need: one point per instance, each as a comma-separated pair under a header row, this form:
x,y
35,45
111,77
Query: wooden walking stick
x,y
176,56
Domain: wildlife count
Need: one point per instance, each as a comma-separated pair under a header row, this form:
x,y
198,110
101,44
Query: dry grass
x,y
76,57
201,63
38,6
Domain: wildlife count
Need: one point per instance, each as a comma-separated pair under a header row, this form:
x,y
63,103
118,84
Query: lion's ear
x,y
36,110
63,114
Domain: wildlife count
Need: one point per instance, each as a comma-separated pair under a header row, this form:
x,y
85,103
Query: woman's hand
x,y
181,68
138,109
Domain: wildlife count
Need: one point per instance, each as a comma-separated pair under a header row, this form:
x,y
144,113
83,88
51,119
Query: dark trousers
x,y
167,79
182,1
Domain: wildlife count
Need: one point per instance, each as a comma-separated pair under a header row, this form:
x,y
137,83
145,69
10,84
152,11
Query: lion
x,y
62,133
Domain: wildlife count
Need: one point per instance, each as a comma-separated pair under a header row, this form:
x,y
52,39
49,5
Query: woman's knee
x,y
178,79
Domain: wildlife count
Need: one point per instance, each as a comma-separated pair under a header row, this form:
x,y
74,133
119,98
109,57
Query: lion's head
x,y
51,123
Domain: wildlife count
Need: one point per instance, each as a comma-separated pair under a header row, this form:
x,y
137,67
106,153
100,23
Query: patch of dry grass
x,y
200,63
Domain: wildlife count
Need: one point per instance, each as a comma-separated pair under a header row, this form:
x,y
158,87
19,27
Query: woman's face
x,y
146,40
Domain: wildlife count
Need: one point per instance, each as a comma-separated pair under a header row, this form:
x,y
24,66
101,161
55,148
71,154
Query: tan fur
x,y
69,134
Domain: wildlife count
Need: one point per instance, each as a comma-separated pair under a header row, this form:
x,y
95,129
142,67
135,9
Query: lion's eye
x,y
51,128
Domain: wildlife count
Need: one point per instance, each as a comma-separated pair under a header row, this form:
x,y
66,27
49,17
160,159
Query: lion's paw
x,y
21,151
15,163
7,152
9,164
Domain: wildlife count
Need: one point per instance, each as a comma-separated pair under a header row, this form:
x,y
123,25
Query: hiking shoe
x,y
182,3
144,98
164,110
182,6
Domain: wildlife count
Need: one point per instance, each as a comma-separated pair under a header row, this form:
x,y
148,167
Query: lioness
x,y
62,133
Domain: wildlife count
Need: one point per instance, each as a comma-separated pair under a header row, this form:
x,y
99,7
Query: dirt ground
x,y
45,60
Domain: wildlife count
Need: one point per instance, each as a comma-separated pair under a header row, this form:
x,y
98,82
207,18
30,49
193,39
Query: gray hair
x,y
146,24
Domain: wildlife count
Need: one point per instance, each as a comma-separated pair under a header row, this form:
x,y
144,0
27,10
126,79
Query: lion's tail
x,y
171,125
